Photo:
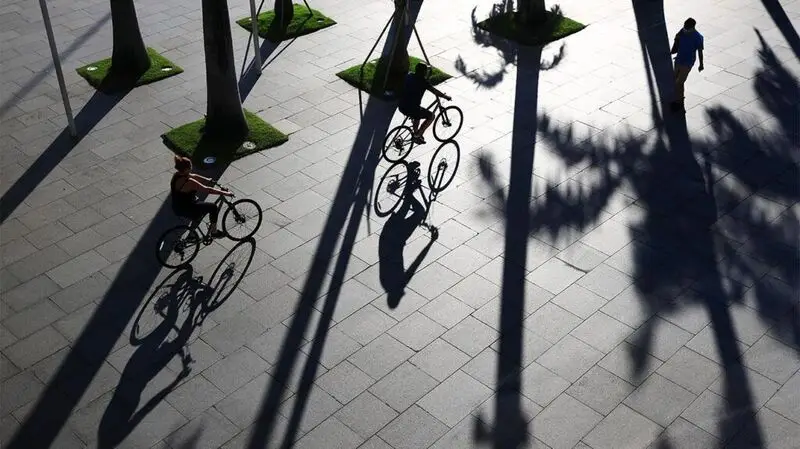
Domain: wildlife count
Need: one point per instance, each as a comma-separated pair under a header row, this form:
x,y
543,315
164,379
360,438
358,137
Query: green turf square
x,y
303,22
188,140
160,68
353,75
555,27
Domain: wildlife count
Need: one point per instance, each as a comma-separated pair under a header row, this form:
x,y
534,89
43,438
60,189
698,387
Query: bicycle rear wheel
x,y
390,190
448,123
444,165
399,142
242,219
177,246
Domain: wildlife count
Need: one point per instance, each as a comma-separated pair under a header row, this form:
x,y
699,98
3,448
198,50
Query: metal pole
x,y
57,64
254,29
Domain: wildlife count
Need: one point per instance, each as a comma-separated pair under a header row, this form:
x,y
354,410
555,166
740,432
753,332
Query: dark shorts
x,y
417,112
197,211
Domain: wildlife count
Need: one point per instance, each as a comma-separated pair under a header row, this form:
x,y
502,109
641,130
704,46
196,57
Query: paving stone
x,y
381,356
78,268
366,324
623,428
446,310
582,256
474,291
570,358
35,347
773,359
433,280
439,359
787,398
404,386
38,263
761,388
660,338
605,281
455,398
600,390
414,428
533,346
366,414
705,344
629,363
470,336
602,332
541,385
551,322
609,237
81,293
243,406
683,434
776,431
194,397
30,293
344,382
630,307
564,422
332,433
337,348
660,400
209,430
33,318
713,414
319,406
579,301
416,331
232,334
235,370
19,390
555,276
464,260
690,370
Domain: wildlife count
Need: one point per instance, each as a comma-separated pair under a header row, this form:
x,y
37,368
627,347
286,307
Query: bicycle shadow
x,y
393,274
162,332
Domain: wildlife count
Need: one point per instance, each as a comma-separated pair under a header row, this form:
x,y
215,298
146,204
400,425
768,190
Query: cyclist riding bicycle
x,y
410,103
184,187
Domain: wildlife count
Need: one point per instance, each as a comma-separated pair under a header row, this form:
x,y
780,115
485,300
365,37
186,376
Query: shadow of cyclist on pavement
x,y
399,227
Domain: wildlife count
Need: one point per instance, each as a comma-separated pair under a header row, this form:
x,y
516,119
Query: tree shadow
x,y
100,334
162,331
394,276
784,24
90,115
250,75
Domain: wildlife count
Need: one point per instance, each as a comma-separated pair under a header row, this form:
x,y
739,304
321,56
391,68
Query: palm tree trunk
x,y
129,57
284,12
224,116
532,12
395,56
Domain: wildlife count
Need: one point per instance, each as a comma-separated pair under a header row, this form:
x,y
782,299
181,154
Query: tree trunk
x,y
129,57
284,12
224,116
395,56
532,12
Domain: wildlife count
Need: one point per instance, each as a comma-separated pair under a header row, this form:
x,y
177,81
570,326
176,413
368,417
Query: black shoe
x,y
419,140
218,234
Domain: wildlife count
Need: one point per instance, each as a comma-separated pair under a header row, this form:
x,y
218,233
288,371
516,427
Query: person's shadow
x,y
399,227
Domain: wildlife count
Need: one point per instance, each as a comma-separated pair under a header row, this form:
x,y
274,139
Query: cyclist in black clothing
x,y
184,187
410,103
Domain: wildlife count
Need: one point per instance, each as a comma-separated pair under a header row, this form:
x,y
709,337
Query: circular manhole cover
x,y
209,160
91,68
249,145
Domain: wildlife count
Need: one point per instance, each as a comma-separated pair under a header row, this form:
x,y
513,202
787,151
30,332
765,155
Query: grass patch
x,y
303,22
555,27
97,73
189,140
353,75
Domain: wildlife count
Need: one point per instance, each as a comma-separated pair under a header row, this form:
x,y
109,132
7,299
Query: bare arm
x,y
196,176
205,189
437,92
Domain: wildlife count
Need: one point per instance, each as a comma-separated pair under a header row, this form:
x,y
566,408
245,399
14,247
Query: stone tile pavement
x,y
655,301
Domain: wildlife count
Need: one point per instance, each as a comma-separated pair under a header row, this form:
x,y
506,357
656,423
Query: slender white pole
x,y
256,47
57,64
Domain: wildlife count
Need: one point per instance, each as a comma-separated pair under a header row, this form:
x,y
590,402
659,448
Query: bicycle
x,y
392,189
400,140
183,241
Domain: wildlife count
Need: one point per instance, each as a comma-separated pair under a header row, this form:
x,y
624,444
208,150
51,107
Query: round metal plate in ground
x,y
249,145
91,68
209,160
166,69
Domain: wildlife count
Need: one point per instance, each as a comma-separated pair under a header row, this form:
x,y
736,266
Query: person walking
x,y
687,48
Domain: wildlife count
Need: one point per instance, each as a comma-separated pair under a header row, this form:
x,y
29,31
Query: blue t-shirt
x,y
413,90
688,44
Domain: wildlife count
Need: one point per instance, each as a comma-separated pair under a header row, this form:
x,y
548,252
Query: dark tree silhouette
x,y
129,58
531,11
284,12
395,57
224,117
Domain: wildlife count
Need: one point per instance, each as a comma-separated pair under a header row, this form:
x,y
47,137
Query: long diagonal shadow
x,y
95,109
691,237
100,334
784,24
33,82
351,200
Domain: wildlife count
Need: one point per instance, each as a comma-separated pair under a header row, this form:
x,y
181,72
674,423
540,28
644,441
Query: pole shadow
x,y
784,24
162,331
90,115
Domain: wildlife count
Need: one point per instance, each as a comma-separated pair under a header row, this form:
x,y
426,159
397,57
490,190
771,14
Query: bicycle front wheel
x,y
399,142
177,246
448,123
390,190
444,165
242,219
